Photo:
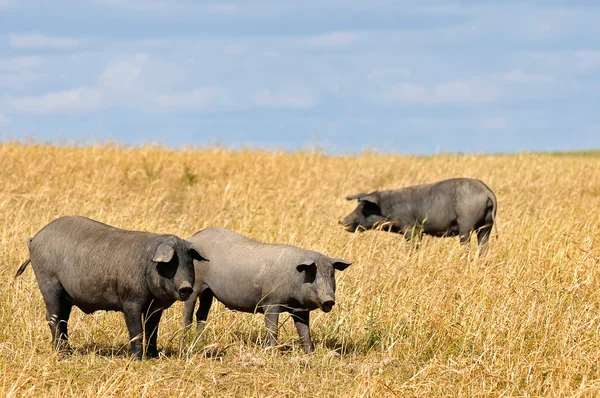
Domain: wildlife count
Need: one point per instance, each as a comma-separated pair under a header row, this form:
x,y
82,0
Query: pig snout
x,y
185,291
348,226
327,305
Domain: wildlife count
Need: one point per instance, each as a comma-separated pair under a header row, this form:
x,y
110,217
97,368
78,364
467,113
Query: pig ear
x,y
340,264
164,253
306,266
197,253
357,196
369,198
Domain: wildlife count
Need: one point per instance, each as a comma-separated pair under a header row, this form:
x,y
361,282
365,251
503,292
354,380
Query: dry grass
x,y
439,322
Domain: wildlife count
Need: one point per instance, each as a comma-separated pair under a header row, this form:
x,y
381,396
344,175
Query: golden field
x,y
441,321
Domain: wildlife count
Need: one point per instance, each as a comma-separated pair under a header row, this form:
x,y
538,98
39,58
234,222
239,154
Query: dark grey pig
x,y
447,208
250,276
81,262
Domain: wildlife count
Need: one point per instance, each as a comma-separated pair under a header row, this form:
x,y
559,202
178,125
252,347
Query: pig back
x,y
245,274
92,261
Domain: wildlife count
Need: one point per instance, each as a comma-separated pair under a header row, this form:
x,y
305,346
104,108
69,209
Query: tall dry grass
x,y
439,322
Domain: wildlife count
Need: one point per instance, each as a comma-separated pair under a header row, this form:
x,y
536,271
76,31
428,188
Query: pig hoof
x,y
152,353
63,354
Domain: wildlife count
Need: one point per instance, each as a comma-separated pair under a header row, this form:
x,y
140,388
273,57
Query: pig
x,y
451,207
250,276
81,262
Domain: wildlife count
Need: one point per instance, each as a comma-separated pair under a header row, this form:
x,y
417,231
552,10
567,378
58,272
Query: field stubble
x,y
523,320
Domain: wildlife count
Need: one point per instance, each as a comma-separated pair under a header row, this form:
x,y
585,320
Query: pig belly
x,y
238,299
89,307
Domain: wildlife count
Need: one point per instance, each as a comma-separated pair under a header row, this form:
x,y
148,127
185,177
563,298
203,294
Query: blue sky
x,y
407,76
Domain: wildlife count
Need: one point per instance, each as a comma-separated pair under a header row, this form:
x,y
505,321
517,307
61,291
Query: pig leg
x,y
413,234
465,237
483,235
151,331
206,299
133,319
58,310
469,220
272,324
465,227
57,317
301,321
188,310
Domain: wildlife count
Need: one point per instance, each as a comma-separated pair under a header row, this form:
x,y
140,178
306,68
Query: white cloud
x,y
121,78
518,76
477,89
408,92
6,3
18,64
333,39
223,9
544,22
153,43
588,59
131,81
411,38
443,10
18,80
134,4
463,91
494,123
198,98
388,73
41,41
288,97
235,49
563,61
473,90
171,7
138,74
78,100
